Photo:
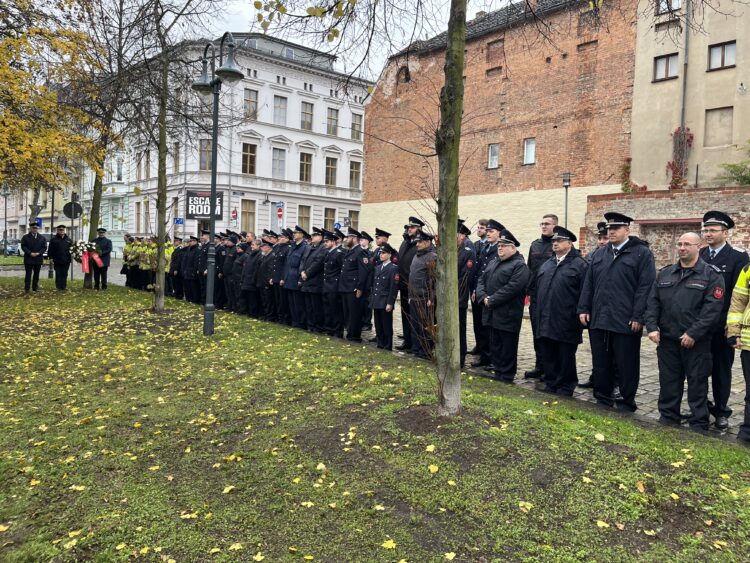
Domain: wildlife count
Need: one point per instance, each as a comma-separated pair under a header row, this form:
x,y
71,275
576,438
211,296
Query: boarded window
x,y
495,52
718,130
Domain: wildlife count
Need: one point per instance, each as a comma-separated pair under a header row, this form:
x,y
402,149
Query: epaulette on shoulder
x,y
665,267
715,268
746,269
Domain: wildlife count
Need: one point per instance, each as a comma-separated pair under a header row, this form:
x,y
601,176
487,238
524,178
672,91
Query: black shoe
x,y
479,363
404,347
685,415
473,351
535,373
542,386
490,368
722,422
667,421
616,393
587,384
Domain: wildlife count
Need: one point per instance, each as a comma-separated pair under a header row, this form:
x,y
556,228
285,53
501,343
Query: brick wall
x,y
572,93
662,216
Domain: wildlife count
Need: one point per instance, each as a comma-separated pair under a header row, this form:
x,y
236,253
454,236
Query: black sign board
x,y
72,210
198,205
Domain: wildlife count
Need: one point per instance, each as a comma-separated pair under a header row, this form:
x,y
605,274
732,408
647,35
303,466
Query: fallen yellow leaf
x,y
452,483
433,468
586,479
4,528
74,533
599,437
120,546
235,547
430,448
227,489
678,463
640,486
675,496
154,468
602,524
70,544
378,507
214,550
450,556
724,476
389,544
525,506
321,467
258,557
649,532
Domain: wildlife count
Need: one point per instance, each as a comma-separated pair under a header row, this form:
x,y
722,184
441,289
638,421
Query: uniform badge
x,y
394,259
365,260
396,277
470,264
718,292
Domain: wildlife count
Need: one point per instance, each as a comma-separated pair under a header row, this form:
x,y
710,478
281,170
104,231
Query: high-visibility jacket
x,y
738,319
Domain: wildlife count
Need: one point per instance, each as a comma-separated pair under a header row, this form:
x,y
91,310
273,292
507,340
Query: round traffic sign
x,y
72,210
234,213
280,212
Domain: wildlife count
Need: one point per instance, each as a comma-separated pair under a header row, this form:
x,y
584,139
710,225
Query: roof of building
x,y
483,24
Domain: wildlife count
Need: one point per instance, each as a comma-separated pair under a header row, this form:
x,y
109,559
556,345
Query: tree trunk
x,y
447,145
96,200
161,189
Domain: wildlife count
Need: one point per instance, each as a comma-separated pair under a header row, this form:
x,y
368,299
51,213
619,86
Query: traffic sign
x,y
179,220
234,214
337,226
72,210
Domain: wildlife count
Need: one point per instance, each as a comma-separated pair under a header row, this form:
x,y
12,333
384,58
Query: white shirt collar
x,y
717,250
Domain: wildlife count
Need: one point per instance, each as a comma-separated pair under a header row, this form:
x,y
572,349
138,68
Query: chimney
x,y
480,15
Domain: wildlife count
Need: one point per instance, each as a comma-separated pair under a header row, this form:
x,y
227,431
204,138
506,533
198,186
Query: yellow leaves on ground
x,y
433,468
75,533
430,448
640,486
602,524
235,547
154,468
452,483
188,515
228,489
599,437
525,506
34,482
649,532
586,479
258,557
675,496
677,463
120,546
321,467
450,556
71,544
4,528
77,487
389,544
307,504
378,507
214,550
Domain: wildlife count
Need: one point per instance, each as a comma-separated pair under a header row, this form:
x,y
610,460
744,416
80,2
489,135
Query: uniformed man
x,y
685,303
730,261
100,272
279,252
229,256
220,253
202,264
422,296
613,305
738,336
406,254
466,261
364,241
353,283
311,276
502,292
383,299
291,281
481,338
59,253
558,289
493,229
539,252
332,300
189,271
381,238
265,292
174,269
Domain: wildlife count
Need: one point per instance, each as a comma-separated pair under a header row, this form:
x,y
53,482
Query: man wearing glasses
x,y
613,305
730,262
684,305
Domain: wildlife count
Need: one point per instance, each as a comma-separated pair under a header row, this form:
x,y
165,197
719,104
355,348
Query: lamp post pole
x,y
5,194
51,230
230,73
566,184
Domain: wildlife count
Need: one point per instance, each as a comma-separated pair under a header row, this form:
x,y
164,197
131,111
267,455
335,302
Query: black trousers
x,y
202,283
676,364
230,291
559,365
220,298
623,350
246,302
296,300
721,374
100,276
366,311
504,353
462,313
282,307
266,300
403,290
31,281
422,320
481,334
61,275
384,328
314,311
334,313
744,433
353,315
192,290
538,364
177,286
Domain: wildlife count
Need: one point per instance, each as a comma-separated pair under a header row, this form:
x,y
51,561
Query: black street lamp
x,y
50,274
5,193
566,184
229,73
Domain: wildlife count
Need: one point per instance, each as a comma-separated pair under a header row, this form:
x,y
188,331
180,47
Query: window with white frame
x,y
529,151
332,122
329,218
355,174
357,126
279,110
306,116
723,55
331,166
251,103
278,164
204,161
303,216
247,215
493,155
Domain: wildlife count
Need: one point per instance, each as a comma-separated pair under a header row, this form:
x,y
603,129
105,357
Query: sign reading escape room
x,y
199,205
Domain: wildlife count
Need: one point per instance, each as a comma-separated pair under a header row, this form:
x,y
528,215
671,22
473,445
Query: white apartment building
x,y
290,151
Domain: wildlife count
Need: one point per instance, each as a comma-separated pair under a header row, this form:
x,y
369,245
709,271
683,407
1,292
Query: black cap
x,y
264,242
506,237
289,233
243,245
178,238
495,225
421,235
205,232
35,225
340,235
233,239
352,233
194,238
101,230
387,248
463,229
63,227
298,229
718,218
318,231
365,235
328,235
601,227
243,233
561,233
381,233
415,222
272,234
617,219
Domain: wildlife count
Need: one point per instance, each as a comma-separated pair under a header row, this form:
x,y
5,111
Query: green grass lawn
x,y
126,435
10,260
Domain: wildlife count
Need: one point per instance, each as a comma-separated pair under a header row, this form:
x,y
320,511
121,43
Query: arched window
x,y
403,75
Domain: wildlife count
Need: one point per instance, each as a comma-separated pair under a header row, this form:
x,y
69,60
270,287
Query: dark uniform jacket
x,y
422,275
175,261
377,260
249,275
686,300
228,265
264,270
730,262
105,245
615,290
238,265
406,254
334,259
384,286
221,254
467,260
312,265
292,265
279,253
539,253
189,263
355,271
504,282
31,243
486,254
201,264
558,288
59,250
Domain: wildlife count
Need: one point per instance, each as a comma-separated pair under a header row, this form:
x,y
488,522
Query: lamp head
x,y
202,85
230,72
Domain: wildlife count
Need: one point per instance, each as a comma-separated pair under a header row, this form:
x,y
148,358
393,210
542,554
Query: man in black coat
x,y
476,310
279,253
539,253
189,271
613,306
488,254
467,259
332,299
311,274
364,241
202,264
406,254
228,273
175,267
383,296
33,246
238,265
59,253
422,296
265,295
105,245
558,289
247,284
684,305
291,278
730,262
502,291
353,283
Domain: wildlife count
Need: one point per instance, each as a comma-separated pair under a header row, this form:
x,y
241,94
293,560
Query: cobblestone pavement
x,y
648,391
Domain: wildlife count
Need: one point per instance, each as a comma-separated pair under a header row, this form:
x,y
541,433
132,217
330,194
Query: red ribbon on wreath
x,y
94,257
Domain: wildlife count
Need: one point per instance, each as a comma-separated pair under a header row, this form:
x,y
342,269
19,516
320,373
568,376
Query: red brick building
x,y
541,99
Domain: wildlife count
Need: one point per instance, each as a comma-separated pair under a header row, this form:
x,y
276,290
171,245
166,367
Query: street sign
x,y
72,210
279,209
179,220
234,214
199,205
38,222
337,226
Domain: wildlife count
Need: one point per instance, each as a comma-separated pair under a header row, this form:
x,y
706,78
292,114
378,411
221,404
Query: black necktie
x,y
616,251
712,254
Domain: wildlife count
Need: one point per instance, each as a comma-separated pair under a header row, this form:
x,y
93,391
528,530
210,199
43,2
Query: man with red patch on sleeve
x,y
467,259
